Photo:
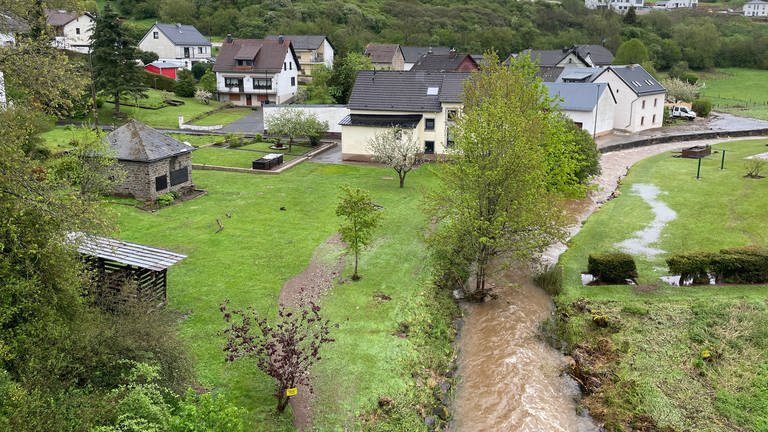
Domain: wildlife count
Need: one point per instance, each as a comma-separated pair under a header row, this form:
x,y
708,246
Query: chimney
x,y
229,38
280,39
429,50
178,26
452,53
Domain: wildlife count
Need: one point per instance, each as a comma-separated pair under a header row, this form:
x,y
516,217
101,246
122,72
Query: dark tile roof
x,y
381,53
182,34
549,57
576,96
58,18
549,73
12,23
138,142
637,78
406,91
267,55
579,74
599,54
378,120
451,62
302,42
412,53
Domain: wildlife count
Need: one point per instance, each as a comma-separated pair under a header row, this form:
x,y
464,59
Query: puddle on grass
x,y
640,243
675,280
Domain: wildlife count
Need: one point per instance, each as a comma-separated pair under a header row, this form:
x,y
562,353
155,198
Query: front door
x,y
429,147
248,100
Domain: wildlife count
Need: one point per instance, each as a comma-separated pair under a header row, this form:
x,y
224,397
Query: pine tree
x,y
115,70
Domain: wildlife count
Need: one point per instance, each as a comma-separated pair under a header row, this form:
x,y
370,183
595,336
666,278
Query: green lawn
x,y
738,91
265,147
197,140
229,157
261,247
652,351
60,137
223,117
167,117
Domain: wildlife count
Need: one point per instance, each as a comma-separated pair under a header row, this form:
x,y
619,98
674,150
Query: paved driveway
x,y
250,124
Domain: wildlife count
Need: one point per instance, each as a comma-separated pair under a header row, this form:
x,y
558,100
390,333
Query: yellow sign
x,y
291,392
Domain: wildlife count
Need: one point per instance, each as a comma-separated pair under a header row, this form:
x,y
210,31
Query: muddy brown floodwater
x,y
515,383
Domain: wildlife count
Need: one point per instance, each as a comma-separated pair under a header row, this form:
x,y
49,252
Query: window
x,y
245,62
262,83
293,81
233,82
155,35
179,176
161,183
285,66
429,124
77,30
654,119
429,147
642,120
452,115
654,102
643,104
290,65
199,50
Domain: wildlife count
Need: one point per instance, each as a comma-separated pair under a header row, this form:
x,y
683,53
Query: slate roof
x,y
267,55
637,78
379,120
443,62
381,53
576,96
182,34
11,23
58,18
579,74
138,142
550,73
303,42
406,91
599,54
412,53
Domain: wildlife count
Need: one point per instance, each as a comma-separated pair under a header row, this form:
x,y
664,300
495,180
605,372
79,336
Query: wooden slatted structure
x,y
127,270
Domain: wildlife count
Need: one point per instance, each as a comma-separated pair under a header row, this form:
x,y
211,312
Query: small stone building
x,y
154,162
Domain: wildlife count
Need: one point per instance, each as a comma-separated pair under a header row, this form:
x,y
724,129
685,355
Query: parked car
x,y
678,111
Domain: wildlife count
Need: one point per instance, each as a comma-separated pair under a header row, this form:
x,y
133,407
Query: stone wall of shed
x,y
140,177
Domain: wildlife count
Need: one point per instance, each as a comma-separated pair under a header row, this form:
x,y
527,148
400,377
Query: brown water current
x,y
511,379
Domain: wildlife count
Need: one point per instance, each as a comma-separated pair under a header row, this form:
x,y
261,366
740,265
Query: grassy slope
x,y
738,91
223,117
167,117
261,247
658,336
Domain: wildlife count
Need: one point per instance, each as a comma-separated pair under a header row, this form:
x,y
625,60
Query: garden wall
x,y
330,113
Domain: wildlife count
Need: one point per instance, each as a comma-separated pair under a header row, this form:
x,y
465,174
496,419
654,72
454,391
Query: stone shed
x,y
154,162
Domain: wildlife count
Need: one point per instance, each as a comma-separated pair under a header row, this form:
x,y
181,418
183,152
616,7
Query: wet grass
x,y
261,247
686,358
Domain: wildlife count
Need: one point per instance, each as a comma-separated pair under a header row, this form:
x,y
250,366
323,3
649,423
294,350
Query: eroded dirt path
x,y
310,285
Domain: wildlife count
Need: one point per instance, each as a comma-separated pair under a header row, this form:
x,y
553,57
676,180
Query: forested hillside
x,y
701,38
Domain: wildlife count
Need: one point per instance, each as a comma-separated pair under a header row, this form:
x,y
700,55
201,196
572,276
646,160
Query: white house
x,y
675,4
566,57
591,106
621,6
10,27
253,71
312,51
756,8
177,42
72,30
639,97
425,102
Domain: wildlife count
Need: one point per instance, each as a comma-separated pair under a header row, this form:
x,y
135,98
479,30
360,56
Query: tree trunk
x,y
402,179
290,144
117,103
355,276
282,402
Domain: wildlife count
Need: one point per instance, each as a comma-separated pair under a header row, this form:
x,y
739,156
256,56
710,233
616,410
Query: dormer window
x,y
77,30
433,91
245,62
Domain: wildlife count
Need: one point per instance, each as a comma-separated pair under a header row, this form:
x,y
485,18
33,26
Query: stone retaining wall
x,y
643,142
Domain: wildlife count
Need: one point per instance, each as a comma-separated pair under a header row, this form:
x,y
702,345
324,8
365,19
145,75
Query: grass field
x,y
682,358
738,91
197,140
61,137
223,117
229,157
261,247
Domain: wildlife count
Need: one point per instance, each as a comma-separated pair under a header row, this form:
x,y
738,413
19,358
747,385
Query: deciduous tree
x,y
632,51
361,217
398,149
294,123
344,74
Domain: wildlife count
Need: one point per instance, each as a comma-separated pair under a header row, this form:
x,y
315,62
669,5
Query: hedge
x,y
744,265
694,266
163,82
612,267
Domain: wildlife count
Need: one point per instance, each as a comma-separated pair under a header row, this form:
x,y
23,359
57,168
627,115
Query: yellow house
x,y
423,101
312,51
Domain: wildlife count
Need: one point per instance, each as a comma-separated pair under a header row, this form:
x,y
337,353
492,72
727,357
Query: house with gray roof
x,y
10,27
598,54
450,62
566,57
639,97
72,30
177,42
250,72
590,106
154,162
426,102
412,54
385,56
313,51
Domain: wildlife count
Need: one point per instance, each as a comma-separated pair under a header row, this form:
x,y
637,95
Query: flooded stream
x,y
510,378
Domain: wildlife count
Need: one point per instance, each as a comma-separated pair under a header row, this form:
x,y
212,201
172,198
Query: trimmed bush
x,y
612,267
159,82
702,107
748,265
694,266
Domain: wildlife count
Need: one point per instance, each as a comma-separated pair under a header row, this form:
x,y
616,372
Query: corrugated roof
x,y
137,142
378,120
575,96
381,53
412,53
182,34
132,254
267,55
302,42
405,91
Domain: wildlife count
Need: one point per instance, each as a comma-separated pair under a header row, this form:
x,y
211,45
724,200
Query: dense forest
x,y
698,37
